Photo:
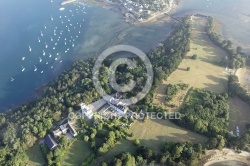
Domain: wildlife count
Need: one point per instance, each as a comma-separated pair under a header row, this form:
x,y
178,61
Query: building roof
x,y
50,142
63,127
72,130
57,132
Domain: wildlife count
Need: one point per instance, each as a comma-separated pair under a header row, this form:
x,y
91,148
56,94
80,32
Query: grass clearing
x,y
205,73
122,146
77,153
154,133
239,113
36,157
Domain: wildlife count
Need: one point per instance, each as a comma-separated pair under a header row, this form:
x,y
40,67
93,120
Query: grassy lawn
x,y
78,152
239,113
36,157
154,133
205,73
121,146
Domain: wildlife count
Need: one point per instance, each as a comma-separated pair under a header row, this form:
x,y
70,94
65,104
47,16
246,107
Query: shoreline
x,y
127,15
215,156
243,75
163,13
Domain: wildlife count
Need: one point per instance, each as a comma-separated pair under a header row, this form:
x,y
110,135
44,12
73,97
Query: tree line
x,y
236,58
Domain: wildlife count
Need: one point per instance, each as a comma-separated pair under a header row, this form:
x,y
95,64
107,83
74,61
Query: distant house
x,y
50,142
86,111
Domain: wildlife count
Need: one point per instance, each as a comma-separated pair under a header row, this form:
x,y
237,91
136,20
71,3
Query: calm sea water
x,y
21,23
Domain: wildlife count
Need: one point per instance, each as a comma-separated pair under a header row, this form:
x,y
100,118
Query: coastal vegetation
x,y
236,58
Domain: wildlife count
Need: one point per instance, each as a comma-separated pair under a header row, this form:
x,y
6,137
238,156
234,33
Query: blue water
x,y
22,21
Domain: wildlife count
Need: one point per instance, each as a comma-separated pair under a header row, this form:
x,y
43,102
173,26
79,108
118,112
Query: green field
x,y
205,73
36,157
154,133
120,147
77,153
239,114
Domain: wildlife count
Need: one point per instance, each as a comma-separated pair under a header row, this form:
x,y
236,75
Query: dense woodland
x,y
235,89
171,154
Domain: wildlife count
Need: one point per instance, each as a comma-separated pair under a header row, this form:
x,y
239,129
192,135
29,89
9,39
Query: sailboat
x,y
40,59
51,39
73,45
46,45
12,79
29,48
50,55
61,61
41,71
47,62
57,53
23,68
55,59
43,52
51,18
45,27
39,40
51,67
41,33
35,68
54,48
23,58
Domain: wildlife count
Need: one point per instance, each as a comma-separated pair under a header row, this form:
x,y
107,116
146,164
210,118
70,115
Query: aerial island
x,y
196,73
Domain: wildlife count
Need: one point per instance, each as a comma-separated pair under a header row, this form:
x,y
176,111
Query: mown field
x,y
77,153
205,72
35,155
239,113
154,133
120,147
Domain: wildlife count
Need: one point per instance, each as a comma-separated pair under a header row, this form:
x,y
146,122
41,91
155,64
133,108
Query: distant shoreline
x,y
127,15
216,156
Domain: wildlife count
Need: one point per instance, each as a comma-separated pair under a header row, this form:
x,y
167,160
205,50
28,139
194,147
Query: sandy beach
x,y
215,156
244,76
